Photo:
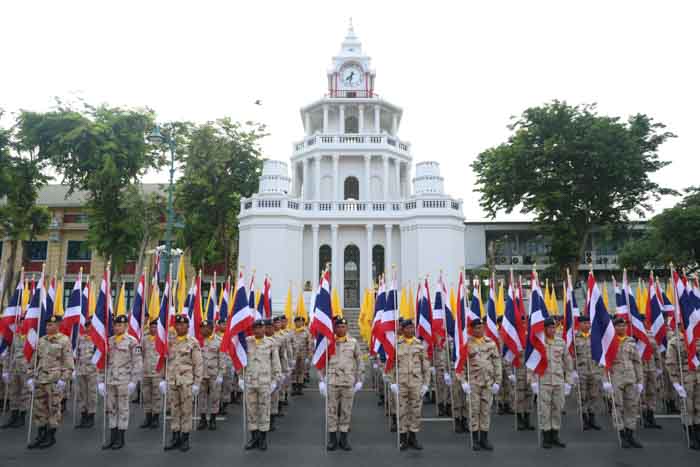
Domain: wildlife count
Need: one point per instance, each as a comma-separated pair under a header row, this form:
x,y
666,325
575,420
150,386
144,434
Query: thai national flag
x,y
655,319
70,326
535,351
439,314
9,322
222,312
492,331
389,325
85,306
239,322
137,310
449,319
377,331
461,327
163,324
424,327
101,328
35,319
688,305
521,313
509,329
604,345
251,300
571,315
322,327
637,327
265,298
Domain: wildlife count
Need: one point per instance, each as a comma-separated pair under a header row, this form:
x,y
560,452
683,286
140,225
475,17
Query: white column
x,y
316,272
361,118
370,231
325,119
335,255
336,179
377,115
385,182
306,183
394,123
402,245
307,123
317,193
368,177
397,168
341,120
387,250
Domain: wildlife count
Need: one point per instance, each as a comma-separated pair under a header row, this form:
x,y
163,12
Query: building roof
x,y
56,196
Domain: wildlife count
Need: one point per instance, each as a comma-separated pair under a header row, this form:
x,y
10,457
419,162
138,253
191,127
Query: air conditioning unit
x,y
527,259
607,259
502,260
517,260
588,257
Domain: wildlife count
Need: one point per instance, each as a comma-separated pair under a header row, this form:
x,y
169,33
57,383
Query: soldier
x,y
86,378
687,388
228,373
339,383
123,368
184,376
587,375
280,349
412,385
52,369
14,375
505,395
626,386
151,378
291,358
485,372
553,386
651,370
458,407
441,386
258,381
213,378
302,350
523,392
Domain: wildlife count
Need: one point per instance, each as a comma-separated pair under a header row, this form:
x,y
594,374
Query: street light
x,y
158,139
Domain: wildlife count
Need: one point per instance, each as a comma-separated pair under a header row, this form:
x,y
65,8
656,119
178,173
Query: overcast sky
x,y
458,69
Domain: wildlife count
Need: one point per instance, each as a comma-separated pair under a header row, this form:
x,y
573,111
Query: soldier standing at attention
x,y
151,377
651,370
258,381
301,339
14,375
339,383
280,350
184,376
227,384
485,372
213,378
412,385
54,367
523,393
587,375
553,385
124,368
687,388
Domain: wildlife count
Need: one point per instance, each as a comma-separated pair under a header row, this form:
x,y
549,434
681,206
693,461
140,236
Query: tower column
x,y
335,255
387,250
306,183
394,123
397,173
377,115
341,119
336,179
360,118
317,161
370,231
325,119
316,273
307,123
368,177
385,182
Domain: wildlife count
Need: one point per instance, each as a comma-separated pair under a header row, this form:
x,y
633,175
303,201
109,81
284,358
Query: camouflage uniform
x,y
344,370
151,378
505,395
589,375
263,370
227,387
87,377
551,384
213,360
485,370
185,370
18,392
414,373
123,366
457,398
691,379
650,373
522,396
442,390
281,350
626,374
300,341
54,362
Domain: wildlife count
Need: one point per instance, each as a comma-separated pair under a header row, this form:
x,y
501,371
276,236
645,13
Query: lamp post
x,y
157,138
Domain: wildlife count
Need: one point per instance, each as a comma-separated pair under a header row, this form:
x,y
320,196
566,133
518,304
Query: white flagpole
x,y
34,357
684,407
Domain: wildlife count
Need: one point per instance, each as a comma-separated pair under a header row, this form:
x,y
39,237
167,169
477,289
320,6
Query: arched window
x,y
351,125
324,257
351,277
351,188
377,261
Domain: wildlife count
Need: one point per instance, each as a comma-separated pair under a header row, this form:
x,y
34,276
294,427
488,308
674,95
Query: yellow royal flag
x,y
91,299
643,298
547,296
58,304
670,292
121,302
453,302
335,303
605,296
411,303
500,301
362,319
553,304
25,295
258,294
154,303
288,305
301,307
404,307
181,285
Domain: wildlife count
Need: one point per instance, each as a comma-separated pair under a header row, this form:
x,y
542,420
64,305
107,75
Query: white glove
x,y
607,387
358,387
385,378
5,377
30,384
375,366
574,377
195,389
535,388
306,361
241,384
659,371
447,378
60,384
680,390
322,388
163,386
511,378
432,370
567,389
394,388
219,380
102,389
423,390
130,388
74,375
467,388
495,388
273,387
640,388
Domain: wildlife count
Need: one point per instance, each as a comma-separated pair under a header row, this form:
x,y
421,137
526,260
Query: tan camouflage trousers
x,y
275,402
180,400
298,374
47,405
258,408
209,397
410,408
459,409
551,402
627,405
18,392
481,401
339,408
118,406
506,392
152,399
651,390
522,396
226,388
87,393
692,387
591,395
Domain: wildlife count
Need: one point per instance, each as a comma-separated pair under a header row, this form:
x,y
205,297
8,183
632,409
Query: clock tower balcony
x,y
352,142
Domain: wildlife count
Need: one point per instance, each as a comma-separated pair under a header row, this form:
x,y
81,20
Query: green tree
x,y
572,169
220,164
146,211
101,151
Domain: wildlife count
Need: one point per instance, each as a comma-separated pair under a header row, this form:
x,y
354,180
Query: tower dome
x,y
275,177
428,180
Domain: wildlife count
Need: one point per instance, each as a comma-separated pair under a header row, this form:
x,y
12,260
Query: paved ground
x,y
298,439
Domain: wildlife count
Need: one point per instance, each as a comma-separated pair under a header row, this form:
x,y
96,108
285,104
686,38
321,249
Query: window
x,y
351,125
36,251
377,261
352,188
351,277
78,251
324,257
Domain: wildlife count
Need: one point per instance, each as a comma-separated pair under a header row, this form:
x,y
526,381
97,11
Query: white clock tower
x,y
350,200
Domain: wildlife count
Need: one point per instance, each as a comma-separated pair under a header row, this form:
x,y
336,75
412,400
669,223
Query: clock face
x,y
352,77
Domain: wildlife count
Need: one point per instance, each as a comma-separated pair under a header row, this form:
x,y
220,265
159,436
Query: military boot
x,y
14,415
484,441
332,441
174,441
40,437
113,433
632,440
147,421
343,442
185,442
554,438
253,441
413,441
119,443
262,443
202,425
50,439
475,441
591,421
154,421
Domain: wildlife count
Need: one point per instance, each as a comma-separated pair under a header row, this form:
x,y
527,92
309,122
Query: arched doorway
x,y
324,257
377,261
351,277
351,188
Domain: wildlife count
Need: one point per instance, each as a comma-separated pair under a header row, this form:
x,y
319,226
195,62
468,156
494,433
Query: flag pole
x,y
77,352
243,406
34,357
469,396
573,340
535,280
396,363
108,296
515,375
449,362
165,400
676,308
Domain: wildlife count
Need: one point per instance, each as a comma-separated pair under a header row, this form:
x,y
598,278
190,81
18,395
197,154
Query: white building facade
x,y
348,196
